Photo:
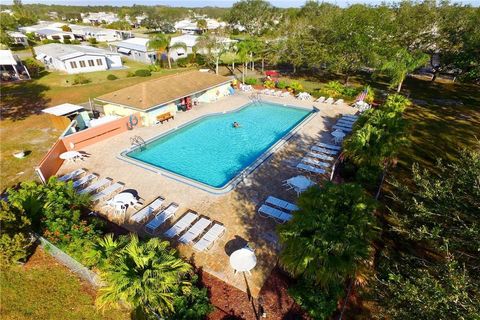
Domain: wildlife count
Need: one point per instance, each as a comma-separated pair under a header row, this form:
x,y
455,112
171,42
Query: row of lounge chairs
x,y
277,209
89,183
316,160
345,123
275,93
105,188
330,100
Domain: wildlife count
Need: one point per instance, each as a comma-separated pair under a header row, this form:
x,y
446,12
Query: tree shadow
x,y
20,100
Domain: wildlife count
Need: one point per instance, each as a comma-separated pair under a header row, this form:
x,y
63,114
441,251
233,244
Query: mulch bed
x,y
231,303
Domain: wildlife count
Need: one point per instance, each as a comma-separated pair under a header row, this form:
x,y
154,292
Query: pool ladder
x,y
137,141
255,97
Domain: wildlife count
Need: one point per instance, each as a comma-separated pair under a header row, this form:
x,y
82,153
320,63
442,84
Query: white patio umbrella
x,y
243,260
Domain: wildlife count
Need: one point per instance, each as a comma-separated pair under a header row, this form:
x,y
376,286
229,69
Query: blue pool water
x,y
212,152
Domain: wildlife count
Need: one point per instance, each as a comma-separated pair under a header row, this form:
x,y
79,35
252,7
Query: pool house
x,y
160,99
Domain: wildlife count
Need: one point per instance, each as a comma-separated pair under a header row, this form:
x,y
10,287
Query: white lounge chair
x,y
316,162
346,119
339,101
108,191
329,100
281,203
309,168
320,100
285,94
329,146
343,128
95,186
181,224
147,211
194,231
323,150
72,175
345,123
270,212
209,238
320,156
161,218
84,180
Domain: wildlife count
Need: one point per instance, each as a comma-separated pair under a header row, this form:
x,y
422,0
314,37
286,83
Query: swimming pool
x,y
212,152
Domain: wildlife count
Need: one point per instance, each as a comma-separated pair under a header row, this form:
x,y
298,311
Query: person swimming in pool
x,y
236,124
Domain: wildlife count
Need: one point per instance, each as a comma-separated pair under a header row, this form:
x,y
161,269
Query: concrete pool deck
x,y
236,209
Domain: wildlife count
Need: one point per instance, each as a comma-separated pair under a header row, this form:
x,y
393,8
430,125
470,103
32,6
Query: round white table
x,y
70,155
124,198
243,260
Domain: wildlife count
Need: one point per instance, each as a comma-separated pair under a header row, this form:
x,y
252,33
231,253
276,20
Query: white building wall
x,y
87,68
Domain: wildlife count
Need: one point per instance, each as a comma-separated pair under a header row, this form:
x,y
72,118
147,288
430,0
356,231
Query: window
x,y
82,64
73,64
90,63
99,62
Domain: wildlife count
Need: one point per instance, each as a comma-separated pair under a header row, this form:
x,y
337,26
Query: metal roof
x,y
137,44
69,51
7,58
63,109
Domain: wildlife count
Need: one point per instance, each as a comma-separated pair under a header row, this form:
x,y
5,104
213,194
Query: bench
x,y
165,117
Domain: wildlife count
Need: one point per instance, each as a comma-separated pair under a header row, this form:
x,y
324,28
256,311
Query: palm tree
x,y
145,276
160,43
202,25
402,63
105,249
330,234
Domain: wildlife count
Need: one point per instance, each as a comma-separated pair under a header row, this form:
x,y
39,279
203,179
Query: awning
x,y
124,50
63,109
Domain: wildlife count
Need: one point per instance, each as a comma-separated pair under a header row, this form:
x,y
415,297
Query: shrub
x,y
67,41
112,77
80,79
75,41
183,62
33,66
130,74
296,86
200,59
14,239
269,84
143,73
333,89
282,84
47,41
251,81
319,302
154,67
350,92
92,40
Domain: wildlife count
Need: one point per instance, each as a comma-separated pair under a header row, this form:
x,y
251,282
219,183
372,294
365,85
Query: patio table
x,y
70,155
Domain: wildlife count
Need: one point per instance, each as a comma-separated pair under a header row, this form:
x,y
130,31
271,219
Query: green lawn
x,y
43,289
24,127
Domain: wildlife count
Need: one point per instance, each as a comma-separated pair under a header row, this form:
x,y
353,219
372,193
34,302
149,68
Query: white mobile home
x,y
18,38
136,49
77,59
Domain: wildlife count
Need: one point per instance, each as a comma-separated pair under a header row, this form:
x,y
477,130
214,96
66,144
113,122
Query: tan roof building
x,y
161,98
151,94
